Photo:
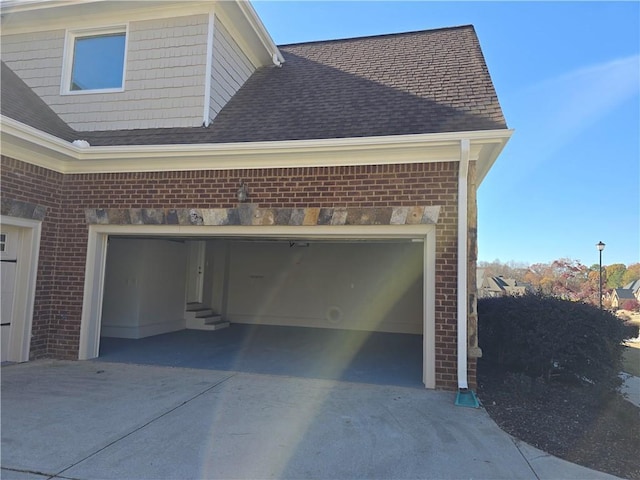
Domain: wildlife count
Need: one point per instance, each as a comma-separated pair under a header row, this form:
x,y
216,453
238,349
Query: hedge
x,y
544,336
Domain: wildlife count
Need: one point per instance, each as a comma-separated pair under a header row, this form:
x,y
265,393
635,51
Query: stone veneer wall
x,y
70,199
474,351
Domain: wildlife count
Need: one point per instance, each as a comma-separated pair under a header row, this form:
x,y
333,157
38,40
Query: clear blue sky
x,y
567,77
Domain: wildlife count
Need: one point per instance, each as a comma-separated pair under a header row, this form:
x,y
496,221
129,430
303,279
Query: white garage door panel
x,y
8,279
8,282
361,286
8,263
19,245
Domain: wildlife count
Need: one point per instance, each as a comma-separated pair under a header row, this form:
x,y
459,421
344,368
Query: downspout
x,y
465,397
206,120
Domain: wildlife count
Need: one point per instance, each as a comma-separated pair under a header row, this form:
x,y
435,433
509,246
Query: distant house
x,y
157,155
489,286
631,291
634,287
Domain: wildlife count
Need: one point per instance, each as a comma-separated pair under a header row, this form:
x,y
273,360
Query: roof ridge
x,y
365,37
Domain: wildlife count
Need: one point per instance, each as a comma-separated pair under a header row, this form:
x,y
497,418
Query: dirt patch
x,y
565,420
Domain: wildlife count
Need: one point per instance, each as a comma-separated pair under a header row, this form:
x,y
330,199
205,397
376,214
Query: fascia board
x,y
489,155
16,6
248,31
33,146
260,29
47,15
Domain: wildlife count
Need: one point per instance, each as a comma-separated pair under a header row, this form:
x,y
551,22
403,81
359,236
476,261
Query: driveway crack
x,y
517,444
155,419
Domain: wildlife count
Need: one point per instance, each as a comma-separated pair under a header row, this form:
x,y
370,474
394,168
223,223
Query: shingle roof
x,y
624,293
19,102
419,82
633,286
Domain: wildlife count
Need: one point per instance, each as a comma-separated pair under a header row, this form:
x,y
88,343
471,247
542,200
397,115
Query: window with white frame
x,y
95,61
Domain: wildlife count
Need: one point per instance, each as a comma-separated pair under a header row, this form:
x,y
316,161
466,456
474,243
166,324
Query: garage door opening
x,y
320,305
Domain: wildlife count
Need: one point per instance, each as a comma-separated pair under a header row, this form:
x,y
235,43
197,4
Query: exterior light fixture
x,y
243,192
600,247
298,244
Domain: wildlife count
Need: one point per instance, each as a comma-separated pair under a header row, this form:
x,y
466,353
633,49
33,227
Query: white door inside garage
x,y
377,278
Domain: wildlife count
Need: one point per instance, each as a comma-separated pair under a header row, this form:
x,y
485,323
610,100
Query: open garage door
x,y
338,288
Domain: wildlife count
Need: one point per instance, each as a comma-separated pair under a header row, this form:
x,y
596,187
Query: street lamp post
x,y
600,247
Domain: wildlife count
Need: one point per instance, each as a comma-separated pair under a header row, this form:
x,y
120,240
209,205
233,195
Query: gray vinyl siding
x,y
230,68
37,59
164,78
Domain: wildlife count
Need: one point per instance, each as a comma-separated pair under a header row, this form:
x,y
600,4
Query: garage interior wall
x,y
357,286
144,291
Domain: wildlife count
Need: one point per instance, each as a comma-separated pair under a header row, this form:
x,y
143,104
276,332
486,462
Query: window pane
x,y
98,62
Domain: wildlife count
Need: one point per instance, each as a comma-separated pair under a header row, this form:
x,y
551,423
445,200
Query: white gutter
x,y
462,263
31,145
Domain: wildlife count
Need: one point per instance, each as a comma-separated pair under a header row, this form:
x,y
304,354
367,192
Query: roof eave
x,y
240,13
491,154
31,145
261,31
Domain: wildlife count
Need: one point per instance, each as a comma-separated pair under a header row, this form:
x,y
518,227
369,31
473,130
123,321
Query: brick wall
x,y
61,279
35,185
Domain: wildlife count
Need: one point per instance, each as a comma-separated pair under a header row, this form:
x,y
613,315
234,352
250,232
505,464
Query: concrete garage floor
x,y
89,420
331,354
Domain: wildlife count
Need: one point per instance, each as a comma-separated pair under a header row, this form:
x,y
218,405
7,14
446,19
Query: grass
x,y
631,360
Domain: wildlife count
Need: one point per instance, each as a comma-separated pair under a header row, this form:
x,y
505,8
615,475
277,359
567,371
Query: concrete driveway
x,y
87,420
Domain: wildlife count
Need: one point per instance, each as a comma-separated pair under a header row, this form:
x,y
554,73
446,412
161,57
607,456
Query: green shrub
x,y
544,336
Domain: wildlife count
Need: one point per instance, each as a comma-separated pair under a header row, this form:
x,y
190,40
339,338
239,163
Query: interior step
x,y
205,312
194,307
201,317
214,322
